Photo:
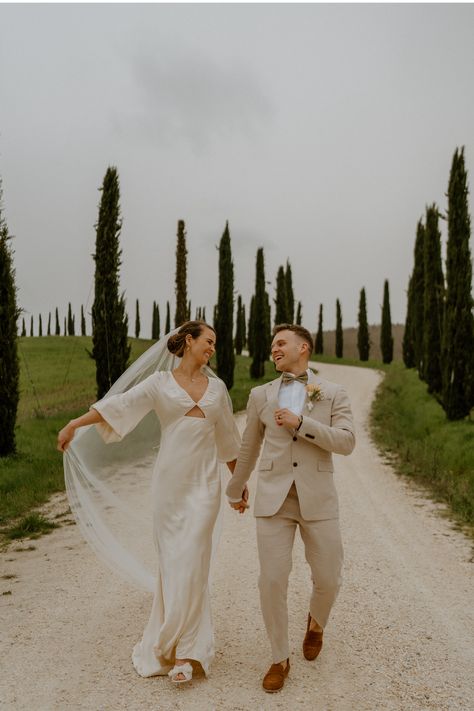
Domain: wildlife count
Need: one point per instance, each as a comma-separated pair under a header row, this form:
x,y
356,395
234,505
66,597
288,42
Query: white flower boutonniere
x,y
314,393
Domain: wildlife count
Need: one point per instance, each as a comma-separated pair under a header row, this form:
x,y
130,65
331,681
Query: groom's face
x,y
288,350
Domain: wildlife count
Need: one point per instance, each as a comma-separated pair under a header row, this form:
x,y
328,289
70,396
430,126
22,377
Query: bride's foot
x,y
182,672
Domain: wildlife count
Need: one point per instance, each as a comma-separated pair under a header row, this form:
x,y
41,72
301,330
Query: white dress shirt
x,y
292,396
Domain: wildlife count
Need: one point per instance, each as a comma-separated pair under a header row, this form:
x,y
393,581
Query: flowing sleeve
x,y
227,433
123,412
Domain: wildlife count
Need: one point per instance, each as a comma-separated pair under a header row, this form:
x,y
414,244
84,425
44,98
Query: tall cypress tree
x,y
49,324
23,327
9,363
260,320
181,314
363,339
290,297
386,338
57,330
137,320
239,336
419,297
268,324
203,313
319,344
299,314
281,301
458,330
251,329
40,326
111,349
243,326
188,311
31,325
83,322
168,318
339,334
433,302
155,327
225,355
408,343
65,327
70,322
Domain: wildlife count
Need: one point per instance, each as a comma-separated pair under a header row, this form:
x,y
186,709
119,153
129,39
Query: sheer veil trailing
x,y
109,485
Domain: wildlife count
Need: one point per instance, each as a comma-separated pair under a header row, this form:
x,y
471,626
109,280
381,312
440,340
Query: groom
x,y
301,420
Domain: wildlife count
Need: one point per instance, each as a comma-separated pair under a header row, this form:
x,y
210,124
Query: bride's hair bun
x,y
177,342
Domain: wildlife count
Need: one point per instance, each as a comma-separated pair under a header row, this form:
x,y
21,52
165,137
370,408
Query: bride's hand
x,y
65,437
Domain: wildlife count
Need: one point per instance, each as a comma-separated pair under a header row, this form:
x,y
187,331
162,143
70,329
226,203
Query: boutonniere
x,y
314,394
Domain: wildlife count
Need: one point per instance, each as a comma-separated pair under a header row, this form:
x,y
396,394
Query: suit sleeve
x,y
339,437
249,451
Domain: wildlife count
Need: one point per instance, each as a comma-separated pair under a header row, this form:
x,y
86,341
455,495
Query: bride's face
x,y
203,347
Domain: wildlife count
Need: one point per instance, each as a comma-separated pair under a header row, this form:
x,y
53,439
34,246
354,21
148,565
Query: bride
x,y
194,413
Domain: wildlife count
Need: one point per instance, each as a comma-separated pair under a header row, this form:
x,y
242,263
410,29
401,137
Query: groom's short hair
x,y
299,330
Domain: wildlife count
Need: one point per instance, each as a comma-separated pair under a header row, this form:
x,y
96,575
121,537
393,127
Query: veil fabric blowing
x,y
109,485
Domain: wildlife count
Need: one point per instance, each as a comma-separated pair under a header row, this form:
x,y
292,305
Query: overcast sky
x,y
320,132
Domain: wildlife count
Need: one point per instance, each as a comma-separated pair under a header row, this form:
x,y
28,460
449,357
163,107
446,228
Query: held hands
x,y
286,418
241,505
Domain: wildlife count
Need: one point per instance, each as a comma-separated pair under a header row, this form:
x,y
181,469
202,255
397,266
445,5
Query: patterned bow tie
x,y
290,378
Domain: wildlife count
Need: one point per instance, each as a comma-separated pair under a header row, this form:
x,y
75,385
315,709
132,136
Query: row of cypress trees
x,y
439,327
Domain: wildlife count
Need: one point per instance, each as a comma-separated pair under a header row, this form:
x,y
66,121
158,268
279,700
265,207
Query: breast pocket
x,y
265,465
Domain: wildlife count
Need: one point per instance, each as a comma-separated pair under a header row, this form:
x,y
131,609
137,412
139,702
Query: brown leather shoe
x,y
312,643
275,677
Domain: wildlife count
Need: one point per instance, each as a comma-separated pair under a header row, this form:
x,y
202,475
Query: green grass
x,y
32,526
412,426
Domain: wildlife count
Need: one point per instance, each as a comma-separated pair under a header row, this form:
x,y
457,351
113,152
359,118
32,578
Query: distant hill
x,y
350,342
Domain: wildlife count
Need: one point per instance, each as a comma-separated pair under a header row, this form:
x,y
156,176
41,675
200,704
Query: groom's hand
x,y
286,418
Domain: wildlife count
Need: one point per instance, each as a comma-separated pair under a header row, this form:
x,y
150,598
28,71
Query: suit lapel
x,y
272,389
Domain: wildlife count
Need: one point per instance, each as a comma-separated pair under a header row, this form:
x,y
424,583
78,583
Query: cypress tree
x,y
65,327
239,336
386,338
188,312
363,339
49,324
23,327
137,320
281,301
214,317
290,298
9,363
339,335
260,320
181,314
204,313
111,349
251,330
243,326
408,344
433,302
299,314
268,325
155,322
83,322
168,318
40,326
319,347
57,330
419,297
225,355
458,329
31,326
70,322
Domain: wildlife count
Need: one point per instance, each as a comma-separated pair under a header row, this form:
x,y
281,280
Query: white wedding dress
x,y
185,498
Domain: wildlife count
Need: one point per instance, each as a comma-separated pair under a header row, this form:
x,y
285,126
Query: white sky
x,y
320,132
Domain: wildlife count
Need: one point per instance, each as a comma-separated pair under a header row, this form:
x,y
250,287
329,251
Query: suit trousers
x,y
324,553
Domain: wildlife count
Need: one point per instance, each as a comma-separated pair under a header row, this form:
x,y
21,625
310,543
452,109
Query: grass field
x,y
412,426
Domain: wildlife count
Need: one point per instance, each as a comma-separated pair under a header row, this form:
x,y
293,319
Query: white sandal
x,y
185,669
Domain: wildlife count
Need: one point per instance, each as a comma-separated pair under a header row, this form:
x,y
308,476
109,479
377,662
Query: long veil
x,y
107,484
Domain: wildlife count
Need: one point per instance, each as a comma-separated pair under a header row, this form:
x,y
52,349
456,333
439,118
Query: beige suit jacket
x,y
304,457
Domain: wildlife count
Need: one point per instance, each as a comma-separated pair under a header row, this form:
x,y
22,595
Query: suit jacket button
x,y
295,438
295,464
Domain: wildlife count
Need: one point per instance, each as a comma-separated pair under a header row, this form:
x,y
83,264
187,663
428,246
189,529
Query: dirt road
x,y
400,637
